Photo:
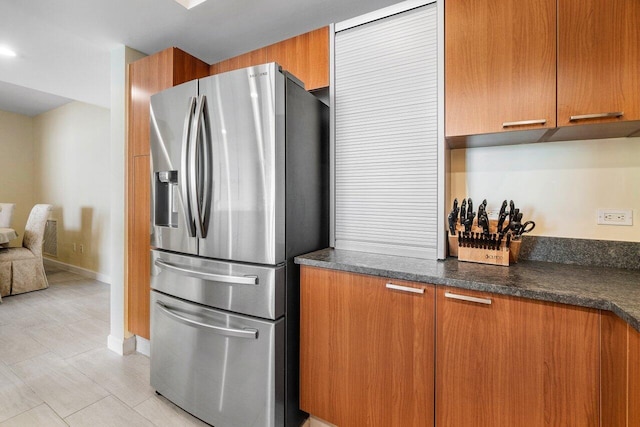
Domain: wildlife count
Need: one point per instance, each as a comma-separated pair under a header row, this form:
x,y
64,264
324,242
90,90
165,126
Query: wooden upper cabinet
x,y
500,66
305,56
150,75
147,76
366,351
598,60
504,361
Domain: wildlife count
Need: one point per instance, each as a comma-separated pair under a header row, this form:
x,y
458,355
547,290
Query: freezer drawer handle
x,y
467,298
405,288
248,333
238,280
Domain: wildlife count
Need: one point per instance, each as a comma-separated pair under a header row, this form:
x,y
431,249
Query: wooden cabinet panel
x,y
138,248
500,65
305,56
255,57
613,370
515,362
187,68
572,363
620,373
598,59
227,65
317,75
366,351
634,378
150,75
147,76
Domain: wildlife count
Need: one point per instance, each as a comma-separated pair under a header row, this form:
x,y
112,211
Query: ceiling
x,y
63,46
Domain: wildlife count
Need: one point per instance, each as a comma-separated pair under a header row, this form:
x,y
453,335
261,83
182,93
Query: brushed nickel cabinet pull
x,y
524,122
405,288
467,298
596,116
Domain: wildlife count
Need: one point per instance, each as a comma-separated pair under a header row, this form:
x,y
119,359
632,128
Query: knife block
x,y
501,256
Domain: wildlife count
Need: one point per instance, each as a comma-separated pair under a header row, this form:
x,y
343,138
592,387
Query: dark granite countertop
x,y
613,289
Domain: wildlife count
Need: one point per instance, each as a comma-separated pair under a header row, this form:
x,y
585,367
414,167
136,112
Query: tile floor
x,y
56,370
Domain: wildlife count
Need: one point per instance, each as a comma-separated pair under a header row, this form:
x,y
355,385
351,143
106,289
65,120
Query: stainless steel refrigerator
x,y
239,182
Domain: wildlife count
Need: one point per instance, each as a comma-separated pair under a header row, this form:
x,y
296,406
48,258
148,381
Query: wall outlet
x,y
81,248
615,217
74,247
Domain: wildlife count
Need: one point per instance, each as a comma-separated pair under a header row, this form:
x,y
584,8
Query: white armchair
x,y
6,214
21,269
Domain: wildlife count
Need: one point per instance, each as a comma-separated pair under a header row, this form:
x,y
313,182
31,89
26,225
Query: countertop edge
x,y
559,296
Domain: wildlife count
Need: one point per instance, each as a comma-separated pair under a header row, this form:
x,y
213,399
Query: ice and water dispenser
x,y
166,209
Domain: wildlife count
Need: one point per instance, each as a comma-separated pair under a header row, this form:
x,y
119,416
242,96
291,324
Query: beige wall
x,y
559,185
16,167
72,149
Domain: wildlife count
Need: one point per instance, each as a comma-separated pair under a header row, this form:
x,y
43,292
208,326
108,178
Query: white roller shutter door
x,y
386,135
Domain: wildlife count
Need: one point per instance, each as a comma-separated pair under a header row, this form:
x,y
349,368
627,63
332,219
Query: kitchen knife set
x,y
483,240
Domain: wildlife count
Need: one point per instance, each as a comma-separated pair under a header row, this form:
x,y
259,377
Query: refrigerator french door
x,y
219,167
239,180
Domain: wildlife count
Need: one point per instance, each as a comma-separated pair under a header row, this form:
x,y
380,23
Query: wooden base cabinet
x,y
634,378
374,353
366,349
620,373
505,361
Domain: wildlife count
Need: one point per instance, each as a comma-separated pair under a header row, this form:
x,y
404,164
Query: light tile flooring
x,y
56,370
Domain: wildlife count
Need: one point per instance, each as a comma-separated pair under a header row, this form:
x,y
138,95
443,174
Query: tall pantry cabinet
x,y
147,76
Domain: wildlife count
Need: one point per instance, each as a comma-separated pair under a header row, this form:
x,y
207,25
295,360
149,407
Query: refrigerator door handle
x,y
249,333
186,271
200,135
184,169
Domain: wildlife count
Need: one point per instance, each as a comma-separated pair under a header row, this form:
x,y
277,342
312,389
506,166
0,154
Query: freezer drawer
x,y
226,369
248,289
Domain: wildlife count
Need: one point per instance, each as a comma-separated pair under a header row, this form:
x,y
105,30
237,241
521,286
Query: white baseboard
x,y
121,346
143,346
90,274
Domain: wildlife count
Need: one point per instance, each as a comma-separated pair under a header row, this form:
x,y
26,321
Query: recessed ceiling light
x,y
5,51
190,3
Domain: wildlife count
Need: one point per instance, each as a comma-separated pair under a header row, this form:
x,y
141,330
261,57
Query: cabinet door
x,y
598,61
613,371
500,66
505,361
366,351
634,377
